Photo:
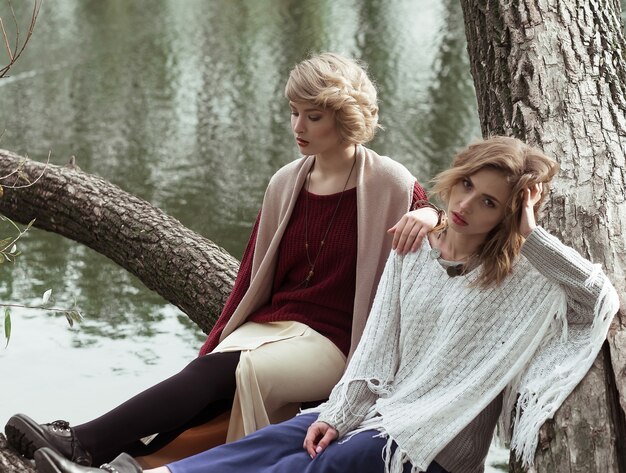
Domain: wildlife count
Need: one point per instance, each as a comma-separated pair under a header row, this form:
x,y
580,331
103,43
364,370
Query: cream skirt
x,y
282,364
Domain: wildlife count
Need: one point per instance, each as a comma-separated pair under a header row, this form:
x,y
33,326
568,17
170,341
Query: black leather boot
x,y
27,436
49,461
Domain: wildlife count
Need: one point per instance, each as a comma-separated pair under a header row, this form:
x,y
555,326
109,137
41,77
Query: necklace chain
x,y
313,261
465,258
464,265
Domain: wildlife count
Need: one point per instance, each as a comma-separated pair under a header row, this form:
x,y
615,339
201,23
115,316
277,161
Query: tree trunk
x,y
185,268
10,461
552,73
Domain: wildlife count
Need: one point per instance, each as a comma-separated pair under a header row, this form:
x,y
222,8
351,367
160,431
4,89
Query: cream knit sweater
x,y
437,351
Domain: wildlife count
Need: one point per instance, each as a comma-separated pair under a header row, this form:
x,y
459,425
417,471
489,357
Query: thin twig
x,y
14,241
6,40
14,55
8,175
31,27
13,186
34,307
17,26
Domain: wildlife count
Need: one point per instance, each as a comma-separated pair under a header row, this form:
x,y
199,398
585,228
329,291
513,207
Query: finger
x,y
527,196
410,239
402,239
392,229
398,232
418,240
539,191
309,441
330,435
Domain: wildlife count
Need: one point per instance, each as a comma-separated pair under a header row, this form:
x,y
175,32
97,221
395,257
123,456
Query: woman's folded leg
x,y
275,378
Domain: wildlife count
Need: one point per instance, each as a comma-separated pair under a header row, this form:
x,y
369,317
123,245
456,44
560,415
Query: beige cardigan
x,y
384,194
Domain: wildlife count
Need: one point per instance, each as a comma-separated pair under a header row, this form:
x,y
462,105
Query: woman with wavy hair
x,y
303,290
492,316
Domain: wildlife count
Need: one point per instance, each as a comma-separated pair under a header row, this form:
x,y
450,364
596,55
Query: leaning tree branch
x,y
184,267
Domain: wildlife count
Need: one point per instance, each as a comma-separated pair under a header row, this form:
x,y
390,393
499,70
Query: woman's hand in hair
x,y
319,436
532,195
411,229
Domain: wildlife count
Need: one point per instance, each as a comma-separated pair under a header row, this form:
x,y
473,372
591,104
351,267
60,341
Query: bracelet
x,y
425,203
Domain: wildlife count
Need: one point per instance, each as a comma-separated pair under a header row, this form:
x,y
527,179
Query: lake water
x,y
180,102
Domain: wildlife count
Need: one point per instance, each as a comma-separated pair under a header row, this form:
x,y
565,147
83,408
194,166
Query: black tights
x,y
202,390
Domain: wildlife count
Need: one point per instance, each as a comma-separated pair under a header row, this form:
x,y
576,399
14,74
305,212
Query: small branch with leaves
x,y
17,179
72,315
8,246
8,253
15,52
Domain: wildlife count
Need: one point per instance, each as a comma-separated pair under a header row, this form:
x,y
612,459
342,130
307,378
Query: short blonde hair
x,y
340,84
523,166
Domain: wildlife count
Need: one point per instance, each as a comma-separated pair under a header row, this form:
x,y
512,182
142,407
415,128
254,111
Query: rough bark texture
x,y
185,268
552,73
10,461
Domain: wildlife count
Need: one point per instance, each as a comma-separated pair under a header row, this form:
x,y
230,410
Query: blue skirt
x,y
278,449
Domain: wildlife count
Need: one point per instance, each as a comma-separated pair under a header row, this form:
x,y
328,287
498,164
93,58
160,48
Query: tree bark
x,y
10,461
185,268
552,74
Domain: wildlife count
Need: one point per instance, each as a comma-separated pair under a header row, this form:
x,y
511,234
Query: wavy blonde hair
x,y
340,84
523,166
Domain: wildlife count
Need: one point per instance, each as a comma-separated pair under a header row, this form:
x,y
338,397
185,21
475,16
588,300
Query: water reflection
x,y
452,113
182,105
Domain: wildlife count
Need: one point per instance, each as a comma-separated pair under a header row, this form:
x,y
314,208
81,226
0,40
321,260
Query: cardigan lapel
x,y
280,198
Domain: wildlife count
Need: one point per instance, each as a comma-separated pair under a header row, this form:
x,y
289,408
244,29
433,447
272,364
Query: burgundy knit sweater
x,y
326,303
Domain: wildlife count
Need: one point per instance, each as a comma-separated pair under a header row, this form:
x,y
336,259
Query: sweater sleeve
x,y
582,314
242,283
372,369
418,194
584,283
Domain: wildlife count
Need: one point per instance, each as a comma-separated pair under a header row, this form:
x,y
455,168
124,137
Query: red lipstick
x,y
458,220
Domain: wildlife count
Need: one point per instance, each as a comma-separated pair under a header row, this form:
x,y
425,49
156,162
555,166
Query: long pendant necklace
x,y
313,261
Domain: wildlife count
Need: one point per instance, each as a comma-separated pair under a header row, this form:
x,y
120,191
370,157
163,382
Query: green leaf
x,y
7,325
72,316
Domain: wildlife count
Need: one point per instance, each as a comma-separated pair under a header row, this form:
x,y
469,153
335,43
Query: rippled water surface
x,y
180,102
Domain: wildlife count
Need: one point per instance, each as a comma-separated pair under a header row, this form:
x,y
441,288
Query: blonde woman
x,y
303,291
